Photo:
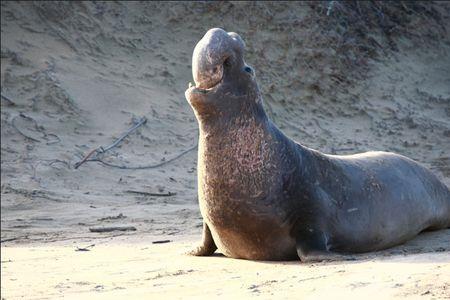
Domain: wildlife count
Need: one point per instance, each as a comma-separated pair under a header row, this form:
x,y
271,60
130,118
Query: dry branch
x,y
112,228
102,149
20,131
151,194
161,242
93,155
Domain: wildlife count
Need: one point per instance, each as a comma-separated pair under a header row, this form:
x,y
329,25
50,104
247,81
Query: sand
x,y
75,76
134,269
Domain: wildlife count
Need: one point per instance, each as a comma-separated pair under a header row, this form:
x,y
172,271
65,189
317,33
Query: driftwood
x,y
146,166
112,228
8,100
20,131
94,155
168,194
161,242
10,239
85,248
35,124
102,149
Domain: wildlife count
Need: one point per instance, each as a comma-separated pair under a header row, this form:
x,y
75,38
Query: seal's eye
x,y
227,62
248,70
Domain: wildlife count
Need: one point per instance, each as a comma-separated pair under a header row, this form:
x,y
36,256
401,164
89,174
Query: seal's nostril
x,y
248,69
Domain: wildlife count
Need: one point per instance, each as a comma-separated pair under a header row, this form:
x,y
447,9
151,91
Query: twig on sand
x,y
142,121
102,149
54,141
10,239
54,161
36,127
94,154
112,228
151,194
146,166
18,130
161,242
85,159
85,248
7,99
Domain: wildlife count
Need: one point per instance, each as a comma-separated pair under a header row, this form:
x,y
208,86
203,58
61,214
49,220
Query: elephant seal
x,y
265,197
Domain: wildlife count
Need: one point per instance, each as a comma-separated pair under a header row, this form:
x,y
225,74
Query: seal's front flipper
x,y
207,246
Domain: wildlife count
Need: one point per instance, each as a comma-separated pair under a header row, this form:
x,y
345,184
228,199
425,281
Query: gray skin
x,y
265,197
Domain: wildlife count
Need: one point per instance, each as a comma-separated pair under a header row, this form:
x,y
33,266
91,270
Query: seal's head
x,y
224,84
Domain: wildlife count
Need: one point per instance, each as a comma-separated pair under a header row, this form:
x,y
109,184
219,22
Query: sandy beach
x,y
76,76
135,268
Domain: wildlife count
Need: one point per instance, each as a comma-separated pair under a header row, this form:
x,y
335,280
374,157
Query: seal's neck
x,y
245,157
220,123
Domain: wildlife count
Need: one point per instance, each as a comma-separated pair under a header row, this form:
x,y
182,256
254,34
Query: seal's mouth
x,y
216,56
195,88
210,82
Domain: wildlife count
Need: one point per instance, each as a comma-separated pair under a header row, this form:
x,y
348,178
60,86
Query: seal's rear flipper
x,y
207,246
313,250
317,256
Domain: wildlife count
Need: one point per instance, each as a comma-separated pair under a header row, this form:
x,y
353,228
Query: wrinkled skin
x,y
265,197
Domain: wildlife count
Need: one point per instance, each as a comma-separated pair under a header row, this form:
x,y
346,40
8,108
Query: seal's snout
x,y
218,69
209,77
216,48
